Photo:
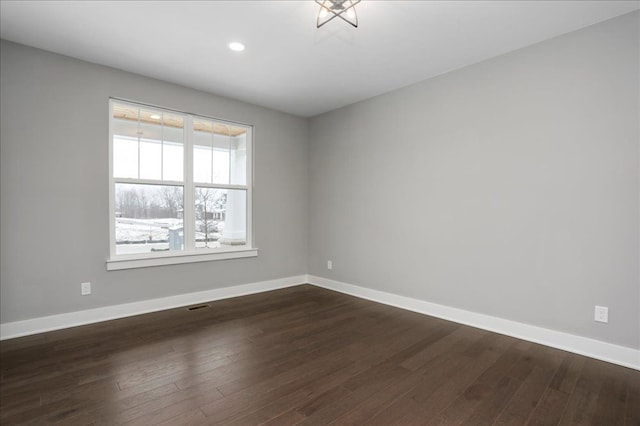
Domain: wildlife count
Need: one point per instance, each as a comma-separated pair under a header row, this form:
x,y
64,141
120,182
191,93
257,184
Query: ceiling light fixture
x,y
343,9
236,47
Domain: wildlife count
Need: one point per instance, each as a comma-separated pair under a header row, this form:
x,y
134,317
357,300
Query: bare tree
x,y
128,201
207,200
172,199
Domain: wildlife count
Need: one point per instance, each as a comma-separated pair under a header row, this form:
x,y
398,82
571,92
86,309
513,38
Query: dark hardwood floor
x,y
303,355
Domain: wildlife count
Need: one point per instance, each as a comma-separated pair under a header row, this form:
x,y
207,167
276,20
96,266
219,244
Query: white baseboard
x,y
609,352
73,319
597,349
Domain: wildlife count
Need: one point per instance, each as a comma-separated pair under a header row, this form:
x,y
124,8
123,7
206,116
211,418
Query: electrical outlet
x,y
85,289
601,314
329,264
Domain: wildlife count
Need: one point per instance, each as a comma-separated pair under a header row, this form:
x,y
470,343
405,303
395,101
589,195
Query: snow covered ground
x,y
141,230
148,235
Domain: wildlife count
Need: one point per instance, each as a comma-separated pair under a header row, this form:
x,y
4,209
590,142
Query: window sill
x,y
144,262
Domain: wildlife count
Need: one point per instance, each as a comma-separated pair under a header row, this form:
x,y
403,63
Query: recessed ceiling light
x,y
236,47
155,117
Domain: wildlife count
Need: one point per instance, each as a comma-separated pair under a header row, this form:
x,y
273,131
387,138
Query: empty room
x,y
339,212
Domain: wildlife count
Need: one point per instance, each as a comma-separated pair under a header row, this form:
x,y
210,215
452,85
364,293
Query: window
x,y
180,187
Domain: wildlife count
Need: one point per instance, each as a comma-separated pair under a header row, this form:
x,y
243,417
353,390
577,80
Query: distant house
x,y
218,214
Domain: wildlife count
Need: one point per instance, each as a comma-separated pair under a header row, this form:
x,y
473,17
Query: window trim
x,y
189,254
162,259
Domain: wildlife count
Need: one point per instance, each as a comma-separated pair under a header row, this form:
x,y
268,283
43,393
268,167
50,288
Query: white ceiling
x,y
289,65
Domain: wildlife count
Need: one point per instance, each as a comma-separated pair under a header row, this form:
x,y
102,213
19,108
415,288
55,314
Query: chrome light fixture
x,y
343,9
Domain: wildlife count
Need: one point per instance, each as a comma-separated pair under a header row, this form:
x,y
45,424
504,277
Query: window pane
x,y
125,141
210,152
220,218
237,155
148,218
220,165
172,161
202,142
219,153
150,133
125,120
125,157
150,159
148,143
173,147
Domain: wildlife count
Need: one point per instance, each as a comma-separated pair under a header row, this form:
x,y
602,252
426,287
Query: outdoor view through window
x,y
179,182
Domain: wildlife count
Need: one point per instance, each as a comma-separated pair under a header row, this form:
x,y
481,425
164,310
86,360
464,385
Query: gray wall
x,y
54,188
510,187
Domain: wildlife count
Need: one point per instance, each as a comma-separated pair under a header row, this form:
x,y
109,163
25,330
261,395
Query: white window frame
x,y
190,254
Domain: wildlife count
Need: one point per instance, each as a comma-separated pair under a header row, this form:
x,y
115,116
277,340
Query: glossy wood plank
x,y
303,355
